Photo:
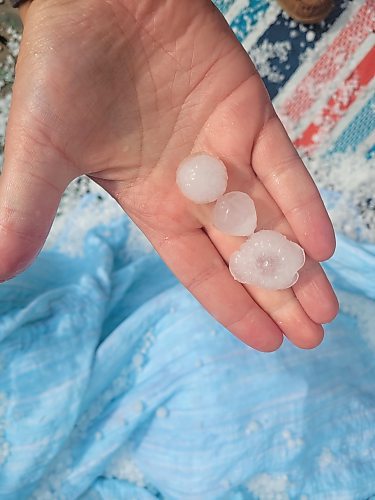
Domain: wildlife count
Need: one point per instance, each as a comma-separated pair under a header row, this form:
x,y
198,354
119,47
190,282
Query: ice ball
x,y
234,213
202,178
267,260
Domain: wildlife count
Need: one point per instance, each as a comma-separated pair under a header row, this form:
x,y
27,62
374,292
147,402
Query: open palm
x,y
123,90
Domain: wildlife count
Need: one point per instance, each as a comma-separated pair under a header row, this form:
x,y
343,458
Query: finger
x,y
282,172
31,185
281,305
198,265
313,290
315,293
299,319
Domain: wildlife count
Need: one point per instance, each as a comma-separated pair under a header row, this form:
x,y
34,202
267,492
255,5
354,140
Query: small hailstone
x,y
225,483
286,434
267,260
252,426
161,412
138,407
202,178
310,36
234,213
4,451
138,360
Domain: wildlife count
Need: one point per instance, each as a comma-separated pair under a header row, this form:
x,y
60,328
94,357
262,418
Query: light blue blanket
x,y
116,384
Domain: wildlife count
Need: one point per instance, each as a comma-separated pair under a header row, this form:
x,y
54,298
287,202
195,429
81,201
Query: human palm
x,y
123,90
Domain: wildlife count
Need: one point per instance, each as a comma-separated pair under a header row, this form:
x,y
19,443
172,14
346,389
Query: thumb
x,y
33,180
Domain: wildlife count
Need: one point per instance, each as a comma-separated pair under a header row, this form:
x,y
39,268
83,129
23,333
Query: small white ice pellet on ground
x,y
161,412
267,260
234,213
310,36
138,360
138,407
202,178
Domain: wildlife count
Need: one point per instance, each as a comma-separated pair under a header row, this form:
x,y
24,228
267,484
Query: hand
x,y
123,90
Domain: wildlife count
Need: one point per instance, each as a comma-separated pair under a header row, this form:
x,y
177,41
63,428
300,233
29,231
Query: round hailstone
x,y
267,260
202,178
234,213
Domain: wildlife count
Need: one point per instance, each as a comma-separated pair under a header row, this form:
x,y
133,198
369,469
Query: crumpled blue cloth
x,y
116,384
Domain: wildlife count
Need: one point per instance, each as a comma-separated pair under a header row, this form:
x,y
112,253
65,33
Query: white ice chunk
x,y
267,260
202,178
310,36
234,213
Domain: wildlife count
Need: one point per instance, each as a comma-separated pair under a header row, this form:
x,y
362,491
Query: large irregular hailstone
x,y
267,260
234,213
202,178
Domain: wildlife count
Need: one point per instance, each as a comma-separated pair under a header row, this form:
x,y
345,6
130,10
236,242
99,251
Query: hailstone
x,y
267,260
202,178
234,213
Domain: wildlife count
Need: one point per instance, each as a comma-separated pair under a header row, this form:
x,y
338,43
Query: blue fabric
x,y
116,384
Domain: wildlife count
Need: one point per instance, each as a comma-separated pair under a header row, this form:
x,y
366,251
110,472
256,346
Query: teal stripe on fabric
x,y
248,18
358,130
224,5
371,153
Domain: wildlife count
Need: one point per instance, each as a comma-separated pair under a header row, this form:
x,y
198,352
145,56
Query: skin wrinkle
x,y
249,318
140,119
180,108
221,102
217,267
270,115
268,119
227,159
292,299
25,235
45,181
72,170
303,205
141,27
190,93
290,163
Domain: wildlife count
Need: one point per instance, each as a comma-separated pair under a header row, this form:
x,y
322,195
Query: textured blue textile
x,y
107,354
